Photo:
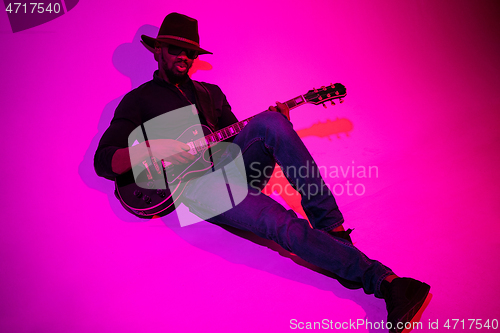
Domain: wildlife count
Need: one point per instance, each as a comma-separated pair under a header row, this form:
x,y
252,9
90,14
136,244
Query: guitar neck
x,y
232,130
314,96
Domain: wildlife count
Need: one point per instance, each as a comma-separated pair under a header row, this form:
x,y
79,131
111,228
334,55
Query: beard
x,y
174,76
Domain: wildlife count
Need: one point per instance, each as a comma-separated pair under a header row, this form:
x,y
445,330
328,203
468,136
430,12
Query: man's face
x,y
175,67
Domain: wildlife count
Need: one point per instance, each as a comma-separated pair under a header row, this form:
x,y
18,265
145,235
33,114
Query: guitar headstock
x,y
326,93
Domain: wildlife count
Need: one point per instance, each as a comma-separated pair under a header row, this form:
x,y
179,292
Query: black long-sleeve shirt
x,y
148,101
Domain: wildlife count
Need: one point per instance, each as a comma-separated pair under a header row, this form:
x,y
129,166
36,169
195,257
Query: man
x,y
267,139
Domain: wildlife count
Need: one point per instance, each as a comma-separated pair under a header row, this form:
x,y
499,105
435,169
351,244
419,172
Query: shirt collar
x,y
158,80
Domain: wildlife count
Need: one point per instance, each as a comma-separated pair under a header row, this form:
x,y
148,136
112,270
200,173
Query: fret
x,y
295,102
291,103
197,145
200,144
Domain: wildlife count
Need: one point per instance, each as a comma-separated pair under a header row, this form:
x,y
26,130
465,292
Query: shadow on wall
x,y
136,62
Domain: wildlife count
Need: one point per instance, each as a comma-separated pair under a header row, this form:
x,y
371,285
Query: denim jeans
x,y
268,139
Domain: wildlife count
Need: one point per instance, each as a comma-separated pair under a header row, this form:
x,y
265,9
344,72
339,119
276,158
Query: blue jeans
x,y
268,139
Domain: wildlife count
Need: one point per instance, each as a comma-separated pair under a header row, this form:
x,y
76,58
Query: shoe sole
x,y
409,313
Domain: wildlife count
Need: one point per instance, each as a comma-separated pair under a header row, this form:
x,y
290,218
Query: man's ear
x,y
157,47
157,51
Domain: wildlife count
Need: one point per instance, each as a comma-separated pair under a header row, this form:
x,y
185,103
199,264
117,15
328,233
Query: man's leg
x,y
266,218
268,139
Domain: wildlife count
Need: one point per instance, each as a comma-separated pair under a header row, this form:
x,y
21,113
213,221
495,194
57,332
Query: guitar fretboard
x,y
231,130
295,102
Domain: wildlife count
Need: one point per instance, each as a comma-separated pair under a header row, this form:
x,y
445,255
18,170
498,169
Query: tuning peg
x,y
315,90
324,105
341,100
333,103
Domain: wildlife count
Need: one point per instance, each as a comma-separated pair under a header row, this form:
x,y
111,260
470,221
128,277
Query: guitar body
x,y
159,186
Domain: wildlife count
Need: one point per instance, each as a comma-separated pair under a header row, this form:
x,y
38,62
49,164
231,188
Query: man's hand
x,y
281,108
172,151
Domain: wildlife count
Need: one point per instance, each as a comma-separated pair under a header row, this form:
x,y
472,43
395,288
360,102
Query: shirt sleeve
x,y
127,117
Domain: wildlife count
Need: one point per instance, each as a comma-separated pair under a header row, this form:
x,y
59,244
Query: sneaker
x,y
404,297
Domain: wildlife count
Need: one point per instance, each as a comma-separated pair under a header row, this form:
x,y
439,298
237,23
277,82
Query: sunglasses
x,y
176,50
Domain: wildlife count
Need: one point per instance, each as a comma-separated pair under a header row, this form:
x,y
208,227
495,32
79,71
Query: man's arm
x,y
121,162
126,118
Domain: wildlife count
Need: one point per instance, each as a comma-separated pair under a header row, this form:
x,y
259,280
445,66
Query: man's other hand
x,y
281,108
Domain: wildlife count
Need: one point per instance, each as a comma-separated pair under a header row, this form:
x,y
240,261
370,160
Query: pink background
x,y
422,79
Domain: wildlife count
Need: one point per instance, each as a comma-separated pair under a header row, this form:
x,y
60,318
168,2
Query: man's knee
x,y
271,120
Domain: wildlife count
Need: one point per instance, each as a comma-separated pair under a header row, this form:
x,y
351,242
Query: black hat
x,y
179,30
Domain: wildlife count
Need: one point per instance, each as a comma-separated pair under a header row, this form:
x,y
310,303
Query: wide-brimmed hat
x,y
179,30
